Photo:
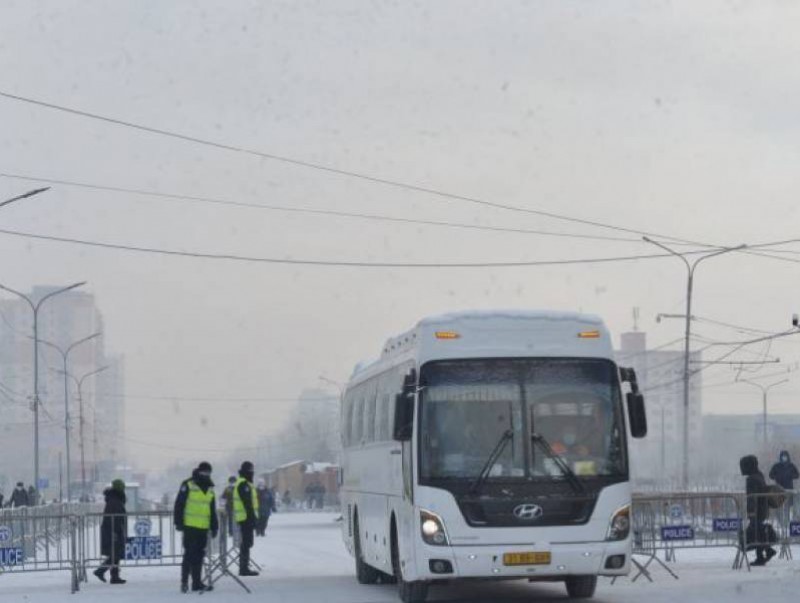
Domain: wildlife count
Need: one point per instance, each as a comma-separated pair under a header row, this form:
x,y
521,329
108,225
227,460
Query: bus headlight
x,y
432,528
620,525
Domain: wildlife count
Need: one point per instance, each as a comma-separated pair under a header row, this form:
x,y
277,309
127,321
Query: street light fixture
x,y
764,389
690,268
23,196
79,384
35,307
65,357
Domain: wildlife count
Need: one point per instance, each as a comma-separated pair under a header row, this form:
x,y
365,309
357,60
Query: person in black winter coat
x,y
19,498
113,532
758,530
784,472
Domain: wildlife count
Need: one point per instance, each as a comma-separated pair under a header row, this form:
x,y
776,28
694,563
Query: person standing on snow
x,y
19,498
113,532
758,532
266,506
245,514
196,515
784,472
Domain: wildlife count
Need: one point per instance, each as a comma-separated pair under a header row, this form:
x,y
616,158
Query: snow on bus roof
x,y
487,315
553,315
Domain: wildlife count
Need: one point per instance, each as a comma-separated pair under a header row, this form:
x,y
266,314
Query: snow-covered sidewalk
x,y
304,560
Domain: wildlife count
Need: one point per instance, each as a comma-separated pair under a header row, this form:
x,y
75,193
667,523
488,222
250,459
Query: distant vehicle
x,y
490,445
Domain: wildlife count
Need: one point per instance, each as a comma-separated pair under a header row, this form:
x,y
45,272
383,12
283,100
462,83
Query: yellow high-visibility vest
x,y
197,513
239,513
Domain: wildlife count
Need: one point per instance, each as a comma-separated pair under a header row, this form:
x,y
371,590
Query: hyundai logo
x,y
528,512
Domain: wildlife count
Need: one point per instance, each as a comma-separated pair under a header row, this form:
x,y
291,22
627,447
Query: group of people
x,y
20,497
315,495
759,534
195,516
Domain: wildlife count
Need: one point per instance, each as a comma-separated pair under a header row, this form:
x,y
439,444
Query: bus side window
x,y
347,419
357,422
369,411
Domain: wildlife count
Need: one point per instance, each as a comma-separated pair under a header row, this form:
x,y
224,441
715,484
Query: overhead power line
x,y
346,264
367,177
338,171
353,264
320,212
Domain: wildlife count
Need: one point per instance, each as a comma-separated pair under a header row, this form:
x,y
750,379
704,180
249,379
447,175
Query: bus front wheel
x,y
365,573
410,592
581,587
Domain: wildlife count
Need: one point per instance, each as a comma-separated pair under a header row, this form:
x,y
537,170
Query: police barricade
x,y
149,539
665,523
42,538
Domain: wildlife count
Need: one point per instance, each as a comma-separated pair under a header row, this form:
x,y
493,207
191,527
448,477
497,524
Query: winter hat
x,y
118,485
204,467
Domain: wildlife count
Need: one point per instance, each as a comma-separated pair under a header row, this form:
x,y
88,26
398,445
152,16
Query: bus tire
x,y
365,573
410,592
581,587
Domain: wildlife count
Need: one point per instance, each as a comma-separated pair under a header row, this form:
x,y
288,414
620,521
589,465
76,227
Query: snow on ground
x,y
304,561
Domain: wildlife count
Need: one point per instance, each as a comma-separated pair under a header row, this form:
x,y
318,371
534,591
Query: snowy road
x,y
304,561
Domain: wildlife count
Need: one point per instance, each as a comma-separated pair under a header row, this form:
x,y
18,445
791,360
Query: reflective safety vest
x,y
239,513
197,512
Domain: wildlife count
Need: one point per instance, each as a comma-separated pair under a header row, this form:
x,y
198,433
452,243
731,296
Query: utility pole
x,y
690,268
35,307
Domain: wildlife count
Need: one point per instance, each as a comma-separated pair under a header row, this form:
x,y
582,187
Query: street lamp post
x,y
690,268
79,384
35,307
65,357
764,389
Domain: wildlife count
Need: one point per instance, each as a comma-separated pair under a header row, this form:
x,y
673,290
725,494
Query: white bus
x,y
490,445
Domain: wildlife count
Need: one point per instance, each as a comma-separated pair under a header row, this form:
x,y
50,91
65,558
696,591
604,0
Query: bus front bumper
x,y
490,561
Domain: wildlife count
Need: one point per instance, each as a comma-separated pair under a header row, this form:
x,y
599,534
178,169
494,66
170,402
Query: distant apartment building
x,y
659,456
63,320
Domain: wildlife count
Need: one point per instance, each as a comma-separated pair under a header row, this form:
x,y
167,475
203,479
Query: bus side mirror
x,y
637,417
404,409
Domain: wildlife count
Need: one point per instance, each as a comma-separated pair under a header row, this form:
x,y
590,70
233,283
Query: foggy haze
x,y
677,118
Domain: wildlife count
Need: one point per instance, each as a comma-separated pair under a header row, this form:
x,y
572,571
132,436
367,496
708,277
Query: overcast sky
x,y
678,118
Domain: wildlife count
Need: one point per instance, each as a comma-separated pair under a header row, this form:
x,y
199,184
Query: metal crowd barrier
x,y
42,538
666,523
68,538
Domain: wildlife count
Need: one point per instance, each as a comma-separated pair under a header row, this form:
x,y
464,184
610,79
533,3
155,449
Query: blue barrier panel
x,y
143,547
727,524
677,533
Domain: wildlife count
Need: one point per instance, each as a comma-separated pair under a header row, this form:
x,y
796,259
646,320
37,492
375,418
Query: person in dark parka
x,y
784,472
758,530
113,532
19,497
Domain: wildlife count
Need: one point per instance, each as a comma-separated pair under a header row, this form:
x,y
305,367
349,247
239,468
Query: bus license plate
x,y
534,558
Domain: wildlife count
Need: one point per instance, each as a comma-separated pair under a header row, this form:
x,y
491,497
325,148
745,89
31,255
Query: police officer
x,y
245,514
195,516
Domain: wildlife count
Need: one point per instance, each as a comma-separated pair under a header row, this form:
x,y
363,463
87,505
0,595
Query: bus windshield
x,y
563,417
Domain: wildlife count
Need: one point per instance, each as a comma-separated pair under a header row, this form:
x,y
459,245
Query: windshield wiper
x,y
569,474
498,450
